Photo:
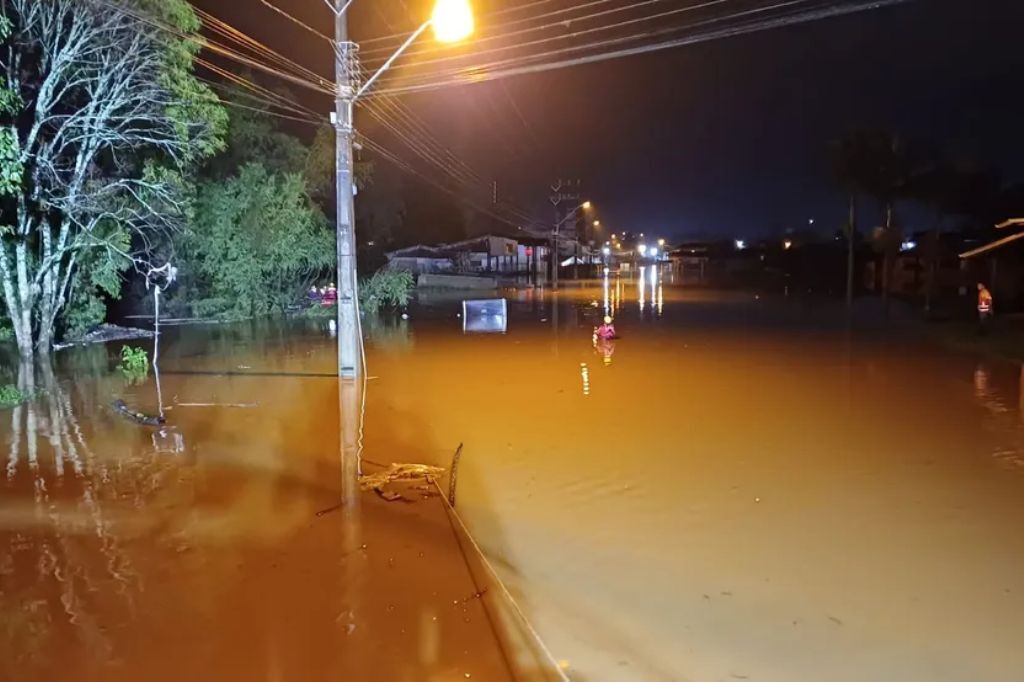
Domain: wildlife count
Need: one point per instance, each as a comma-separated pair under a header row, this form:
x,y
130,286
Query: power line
x,y
521,65
507,24
298,22
600,29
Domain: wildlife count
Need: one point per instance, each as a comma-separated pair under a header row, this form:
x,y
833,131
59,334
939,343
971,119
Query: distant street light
x,y
606,251
788,244
740,244
585,204
597,223
661,242
642,249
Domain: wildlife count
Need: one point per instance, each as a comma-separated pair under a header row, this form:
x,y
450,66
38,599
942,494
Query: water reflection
x,y
641,289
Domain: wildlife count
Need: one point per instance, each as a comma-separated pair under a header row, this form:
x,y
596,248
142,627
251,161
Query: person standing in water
x,y
606,331
984,308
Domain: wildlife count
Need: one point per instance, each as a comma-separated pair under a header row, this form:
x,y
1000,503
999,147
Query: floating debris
x,y
399,473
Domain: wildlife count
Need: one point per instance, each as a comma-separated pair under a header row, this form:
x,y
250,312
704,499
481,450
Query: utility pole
x,y
349,334
560,191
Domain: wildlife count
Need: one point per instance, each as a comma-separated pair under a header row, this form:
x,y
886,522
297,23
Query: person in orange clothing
x,y
984,308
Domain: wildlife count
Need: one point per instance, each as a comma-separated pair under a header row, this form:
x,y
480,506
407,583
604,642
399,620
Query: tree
x,y
254,238
102,118
873,163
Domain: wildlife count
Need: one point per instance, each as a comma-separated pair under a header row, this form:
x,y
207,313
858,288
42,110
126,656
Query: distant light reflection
x,y
585,375
607,301
642,288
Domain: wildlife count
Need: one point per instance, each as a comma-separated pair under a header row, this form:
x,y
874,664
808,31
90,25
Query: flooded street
x,y
737,488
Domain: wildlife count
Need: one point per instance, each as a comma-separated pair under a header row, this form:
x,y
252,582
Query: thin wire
x,y
277,99
428,156
219,49
298,22
561,22
478,72
582,32
237,36
642,49
403,165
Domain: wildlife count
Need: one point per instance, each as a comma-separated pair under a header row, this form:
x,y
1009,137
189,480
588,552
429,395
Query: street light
x,y
452,20
661,242
642,249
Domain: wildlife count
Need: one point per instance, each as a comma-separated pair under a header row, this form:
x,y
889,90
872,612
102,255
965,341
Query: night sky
x,y
726,138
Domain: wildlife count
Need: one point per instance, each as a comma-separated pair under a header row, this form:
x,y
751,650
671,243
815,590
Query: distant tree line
x,y
878,168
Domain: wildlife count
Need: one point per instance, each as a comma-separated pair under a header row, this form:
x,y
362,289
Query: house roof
x,y
418,251
992,245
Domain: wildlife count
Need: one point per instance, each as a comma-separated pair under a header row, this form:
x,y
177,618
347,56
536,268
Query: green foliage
x,y
100,271
319,168
11,395
134,363
254,239
385,288
140,153
11,170
197,112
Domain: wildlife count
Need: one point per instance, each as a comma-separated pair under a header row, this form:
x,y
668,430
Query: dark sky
x,y
722,138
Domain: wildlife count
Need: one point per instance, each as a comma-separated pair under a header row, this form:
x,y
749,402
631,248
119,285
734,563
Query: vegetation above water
x,y
134,363
385,289
99,188
11,395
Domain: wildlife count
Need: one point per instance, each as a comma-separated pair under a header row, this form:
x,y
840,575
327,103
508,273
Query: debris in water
x,y
389,495
835,620
403,473
138,417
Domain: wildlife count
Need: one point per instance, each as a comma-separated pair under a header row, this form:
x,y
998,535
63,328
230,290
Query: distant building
x,y
421,259
487,254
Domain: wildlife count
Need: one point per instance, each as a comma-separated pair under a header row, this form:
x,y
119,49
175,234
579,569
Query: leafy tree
x,y
254,240
102,118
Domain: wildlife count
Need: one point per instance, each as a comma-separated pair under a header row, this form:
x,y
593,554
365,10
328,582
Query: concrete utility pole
x,y
560,191
349,336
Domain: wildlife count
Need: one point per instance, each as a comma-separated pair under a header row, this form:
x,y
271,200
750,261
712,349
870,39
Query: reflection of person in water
x,y
605,348
606,331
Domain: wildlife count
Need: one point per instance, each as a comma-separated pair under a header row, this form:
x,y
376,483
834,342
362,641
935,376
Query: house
x,y
421,259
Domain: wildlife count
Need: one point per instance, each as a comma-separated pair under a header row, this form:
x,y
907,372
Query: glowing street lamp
x,y
661,242
642,249
452,20
788,244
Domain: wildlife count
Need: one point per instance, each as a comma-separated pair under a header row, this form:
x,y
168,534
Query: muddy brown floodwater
x,y
738,488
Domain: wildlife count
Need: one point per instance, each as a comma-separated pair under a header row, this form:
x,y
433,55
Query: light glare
x,y
452,20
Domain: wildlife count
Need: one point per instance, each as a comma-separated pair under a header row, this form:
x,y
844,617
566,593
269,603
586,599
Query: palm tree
x,y
872,163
